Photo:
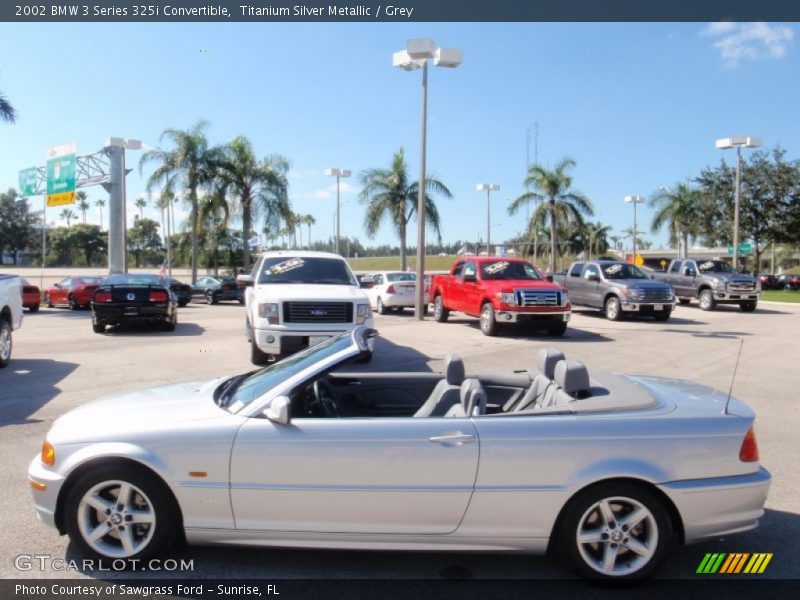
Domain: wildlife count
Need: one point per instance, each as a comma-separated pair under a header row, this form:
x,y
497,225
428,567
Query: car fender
x,y
619,467
111,450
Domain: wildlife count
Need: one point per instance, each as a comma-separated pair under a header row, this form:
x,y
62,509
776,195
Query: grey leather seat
x,y
572,380
472,400
546,361
446,393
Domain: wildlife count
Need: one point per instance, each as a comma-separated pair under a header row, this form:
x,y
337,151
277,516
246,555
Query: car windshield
x,y
504,269
392,277
715,266
283,269
623,271
134,279
259,383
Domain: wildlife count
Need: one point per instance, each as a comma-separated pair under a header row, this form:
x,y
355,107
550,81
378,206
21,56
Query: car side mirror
x,y
278,410
470,277
593,277
244,280
549,277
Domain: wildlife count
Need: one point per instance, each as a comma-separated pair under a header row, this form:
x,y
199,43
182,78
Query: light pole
x,y
634,200
738,142
488,188
338,173
117,202
416,55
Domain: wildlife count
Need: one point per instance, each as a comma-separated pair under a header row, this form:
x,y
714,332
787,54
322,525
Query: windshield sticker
x,y
495,268
285,266
707,265
612,270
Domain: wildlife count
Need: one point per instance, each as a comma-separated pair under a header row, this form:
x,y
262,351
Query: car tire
x,y
706,300
612,309
257,357
48,302
182,303
98,328
489,325
147,496
662,315
73,305
380,308
440,313
172,323
34,308
684,301
210,298
557,330
748,306
597,543
6,343
241,301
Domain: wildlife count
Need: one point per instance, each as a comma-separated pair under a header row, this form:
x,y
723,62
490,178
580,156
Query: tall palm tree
x,y
7,112
389,193
190,165
554,189
67,215
309,220
100,204
261,188
141,204
678,208
598,238
214,215
83,203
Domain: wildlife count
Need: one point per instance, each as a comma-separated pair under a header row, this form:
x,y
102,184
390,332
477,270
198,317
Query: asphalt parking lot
x,y
58,363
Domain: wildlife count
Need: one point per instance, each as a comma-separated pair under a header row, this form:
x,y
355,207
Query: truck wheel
x,y
488,322
613,309
684,300
748,305
557,330
34,308
440,313
257,357
5,343
662,315
706,300
380,307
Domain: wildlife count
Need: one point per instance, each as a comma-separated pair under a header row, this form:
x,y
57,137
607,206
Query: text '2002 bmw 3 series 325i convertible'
x,y
607,469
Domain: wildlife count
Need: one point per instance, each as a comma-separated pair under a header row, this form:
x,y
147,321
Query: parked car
x,y
10,314
134,299
711,282
31,296
182,291
75,291
392,290
608,469
789,281
218,289
769,282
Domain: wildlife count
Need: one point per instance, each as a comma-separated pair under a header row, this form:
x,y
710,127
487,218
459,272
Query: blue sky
x,y
636,105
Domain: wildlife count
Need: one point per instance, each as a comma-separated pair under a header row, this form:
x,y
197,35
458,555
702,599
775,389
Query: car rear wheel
x,y
615,531
34,308
380,307
440,313
98,328
748,306
706,300
613,309
120,512
5,343
210,298
488,322
172,323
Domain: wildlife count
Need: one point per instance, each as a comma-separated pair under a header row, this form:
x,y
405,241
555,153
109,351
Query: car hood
x,y
309,291
642,284
149,409
521,284
729,277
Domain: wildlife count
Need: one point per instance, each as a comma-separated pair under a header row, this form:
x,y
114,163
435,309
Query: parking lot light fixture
x,y
338,173
488,188
415,56
634,200
738,142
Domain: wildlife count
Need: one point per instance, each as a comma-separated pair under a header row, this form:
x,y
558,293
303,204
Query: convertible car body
x,y
605,468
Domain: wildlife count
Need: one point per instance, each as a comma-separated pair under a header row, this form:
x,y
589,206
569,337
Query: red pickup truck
x,y
500,291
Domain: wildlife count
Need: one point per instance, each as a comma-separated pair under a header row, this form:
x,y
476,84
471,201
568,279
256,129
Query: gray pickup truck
x,y
711,282
616,288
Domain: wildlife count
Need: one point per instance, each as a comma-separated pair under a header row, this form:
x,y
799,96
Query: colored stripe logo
x,y
734,563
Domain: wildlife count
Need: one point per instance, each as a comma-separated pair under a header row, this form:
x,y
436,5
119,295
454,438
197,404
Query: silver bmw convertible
x,y
605,469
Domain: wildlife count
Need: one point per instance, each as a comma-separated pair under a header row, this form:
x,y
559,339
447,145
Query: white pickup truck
x,y
296,299
10,314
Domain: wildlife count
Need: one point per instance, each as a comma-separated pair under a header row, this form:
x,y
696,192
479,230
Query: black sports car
x,y
133,299
216,289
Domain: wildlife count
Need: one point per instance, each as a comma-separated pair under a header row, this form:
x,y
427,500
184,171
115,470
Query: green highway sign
x,y
61,175
744,248
28,178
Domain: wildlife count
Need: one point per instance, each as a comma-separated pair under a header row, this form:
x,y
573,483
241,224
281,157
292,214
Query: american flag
x,y
163,272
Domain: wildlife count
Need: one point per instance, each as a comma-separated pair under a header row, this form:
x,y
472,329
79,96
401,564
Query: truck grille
x,y
538,298
317,312
651,295
741,286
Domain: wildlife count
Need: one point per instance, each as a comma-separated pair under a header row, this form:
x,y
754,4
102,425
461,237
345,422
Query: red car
x,y
31,296
75,292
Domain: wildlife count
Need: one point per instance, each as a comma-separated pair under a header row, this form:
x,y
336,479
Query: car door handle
x,y
453,438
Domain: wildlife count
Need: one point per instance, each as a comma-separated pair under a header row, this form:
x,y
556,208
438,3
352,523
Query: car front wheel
x,y
615,531
5,343
120,512
706,300
613,309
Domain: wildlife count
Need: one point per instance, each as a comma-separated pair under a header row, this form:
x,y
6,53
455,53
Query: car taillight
x,y
158,296
390,289
749,450
102,297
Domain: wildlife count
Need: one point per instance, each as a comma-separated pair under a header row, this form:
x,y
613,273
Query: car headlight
x,y
633,293
564,298
269,311
507,298
362,312
718,283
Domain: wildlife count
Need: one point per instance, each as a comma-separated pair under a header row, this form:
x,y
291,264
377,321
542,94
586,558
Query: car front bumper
x,y
288,341
110,315
44,500
722,297
647,307
521,316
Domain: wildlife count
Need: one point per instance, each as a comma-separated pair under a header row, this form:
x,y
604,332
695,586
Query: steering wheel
x,y
326,398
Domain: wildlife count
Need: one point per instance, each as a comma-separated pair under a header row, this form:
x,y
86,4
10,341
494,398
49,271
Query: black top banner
x,y
402,11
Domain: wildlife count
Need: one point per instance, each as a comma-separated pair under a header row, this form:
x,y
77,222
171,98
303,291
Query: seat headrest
x,y
547,359
572,377
453,369
473,397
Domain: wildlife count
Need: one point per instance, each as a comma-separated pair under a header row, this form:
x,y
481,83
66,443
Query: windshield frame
x,y
523,263
267,265
720,266
632,269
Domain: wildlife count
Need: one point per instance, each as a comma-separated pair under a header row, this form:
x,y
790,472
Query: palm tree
x,y
260,187
67,215
214,215
640,241
190,165
678,208
141,204
83,204
309,220
388,193
553,189
598,238
7,112
100,204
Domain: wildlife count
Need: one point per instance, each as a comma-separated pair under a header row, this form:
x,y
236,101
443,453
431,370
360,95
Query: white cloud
x,y
326,193
737,42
